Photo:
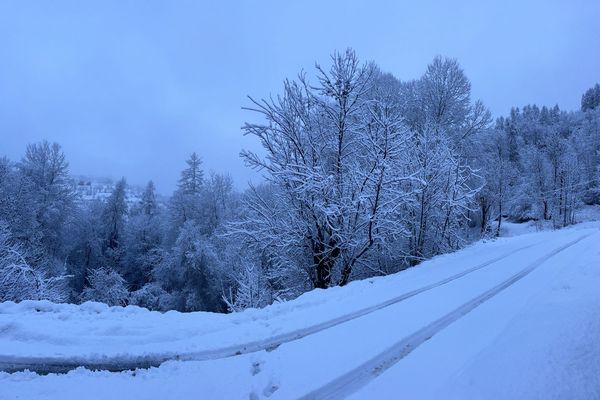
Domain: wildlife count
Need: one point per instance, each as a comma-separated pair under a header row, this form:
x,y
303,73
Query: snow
x,y
588,213
509,229
584,213
538,343
564,359
535,339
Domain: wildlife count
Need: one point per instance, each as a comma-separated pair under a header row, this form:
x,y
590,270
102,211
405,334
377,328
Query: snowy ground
x,y
425,333
584,213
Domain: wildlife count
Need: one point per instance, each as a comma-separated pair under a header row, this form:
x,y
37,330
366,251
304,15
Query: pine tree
x,y
185,204
143,237
192,177
148,204
113,217
591,98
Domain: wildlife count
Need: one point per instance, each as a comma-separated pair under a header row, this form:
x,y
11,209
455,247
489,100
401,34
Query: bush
x,y
106,286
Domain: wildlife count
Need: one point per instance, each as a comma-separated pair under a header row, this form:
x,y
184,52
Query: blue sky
x,y
130,88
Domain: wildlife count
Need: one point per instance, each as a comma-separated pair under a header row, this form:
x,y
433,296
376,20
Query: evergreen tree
x,y
113,218
185,204
148,205
192,177
143,237
591,98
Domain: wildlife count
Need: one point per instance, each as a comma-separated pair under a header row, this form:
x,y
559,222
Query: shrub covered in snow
x,y
18,279
106,286
153,297
249,291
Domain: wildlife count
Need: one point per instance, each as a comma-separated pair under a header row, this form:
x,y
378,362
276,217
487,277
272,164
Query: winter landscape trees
x,y
334,161
364,174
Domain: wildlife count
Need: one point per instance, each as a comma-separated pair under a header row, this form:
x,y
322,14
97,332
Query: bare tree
x,y
21,281
335,156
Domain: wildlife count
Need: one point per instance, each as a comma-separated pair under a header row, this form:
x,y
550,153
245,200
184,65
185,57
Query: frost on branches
x,y
19,280
358,177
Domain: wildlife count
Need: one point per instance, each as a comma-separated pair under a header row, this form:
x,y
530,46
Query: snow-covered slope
x,y
441,328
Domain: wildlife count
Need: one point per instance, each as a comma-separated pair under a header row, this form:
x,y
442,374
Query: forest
x,y
364,175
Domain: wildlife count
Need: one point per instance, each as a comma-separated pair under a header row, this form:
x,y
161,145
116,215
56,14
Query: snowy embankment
x,y
528,304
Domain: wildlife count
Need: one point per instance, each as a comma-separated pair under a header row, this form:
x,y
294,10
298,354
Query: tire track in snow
x,y
360,376
46,365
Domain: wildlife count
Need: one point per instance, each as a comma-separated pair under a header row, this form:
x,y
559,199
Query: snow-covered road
x,y
438,328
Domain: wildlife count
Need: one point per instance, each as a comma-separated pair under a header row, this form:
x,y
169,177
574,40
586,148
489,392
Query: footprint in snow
x,y
270,389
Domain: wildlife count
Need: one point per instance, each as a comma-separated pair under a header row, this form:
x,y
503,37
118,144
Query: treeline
x,y
160,256
364,175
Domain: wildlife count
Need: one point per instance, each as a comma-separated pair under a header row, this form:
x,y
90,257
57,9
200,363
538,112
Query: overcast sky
x,y
130,88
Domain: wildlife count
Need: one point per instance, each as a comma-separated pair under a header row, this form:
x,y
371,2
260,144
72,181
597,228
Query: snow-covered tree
x,y
218,203
106,286
586,142
443,121
142,240
113,220
86,235
18,207
148,205
335,160
249,290
591,98
153,297
192,176
492,160
45,167
555,155
189,271
21,281
185,204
